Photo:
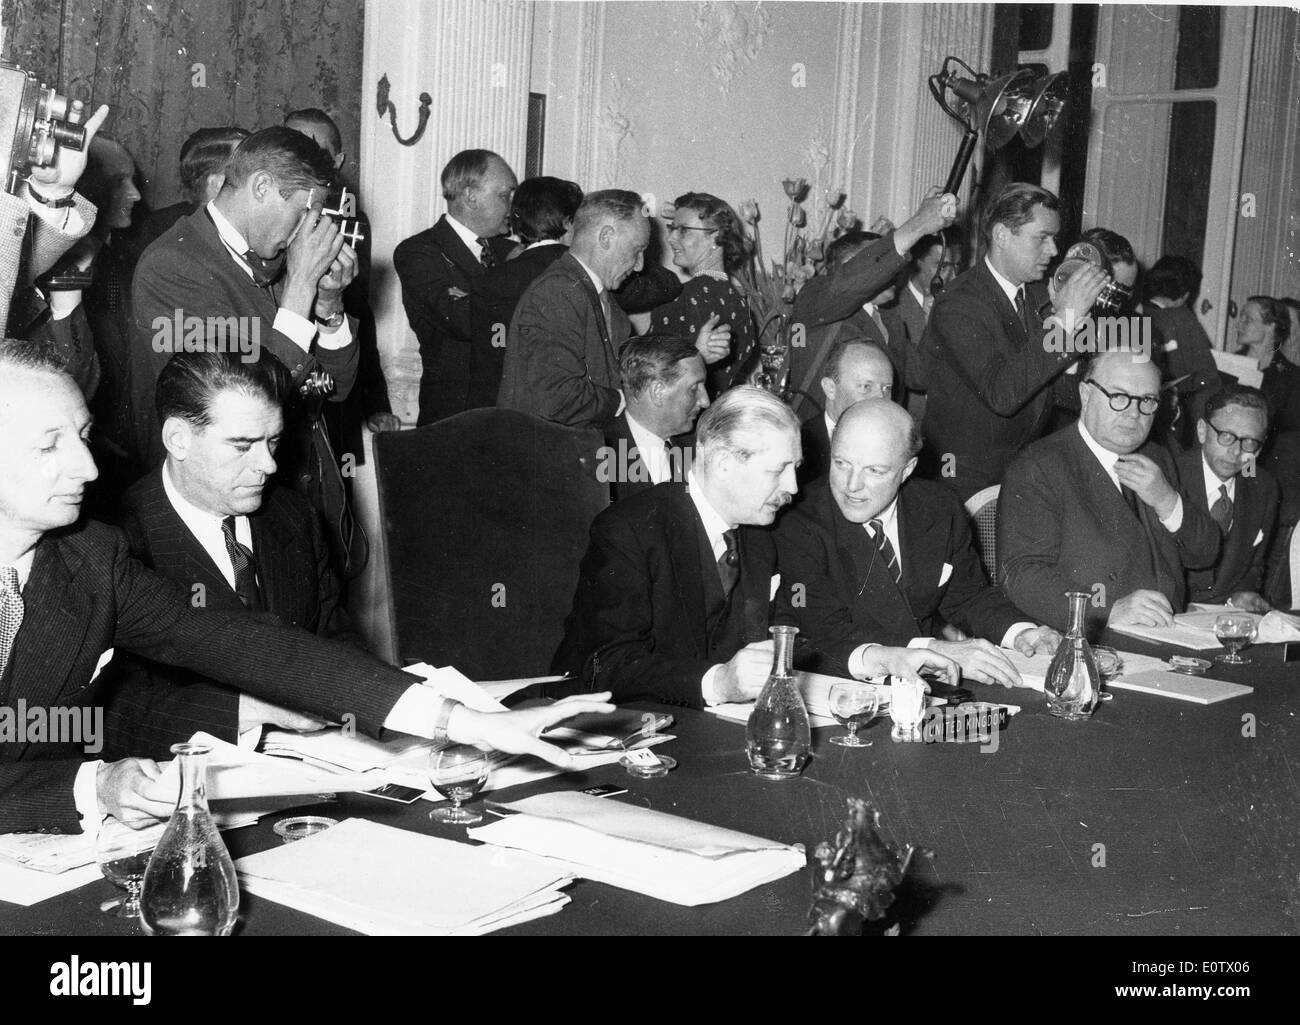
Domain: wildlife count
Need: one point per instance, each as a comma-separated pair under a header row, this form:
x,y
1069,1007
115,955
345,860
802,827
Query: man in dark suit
x,y
854,370
675,591
259,267
1092,508
1221,478
993,365
828,300
563,346
905,318
438,268
872,557
70,592
648,443
222,422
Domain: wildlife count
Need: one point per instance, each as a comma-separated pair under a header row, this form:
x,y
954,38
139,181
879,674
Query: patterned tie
x,y
11,613
886,550
1221,511
245,568
729,564
485,254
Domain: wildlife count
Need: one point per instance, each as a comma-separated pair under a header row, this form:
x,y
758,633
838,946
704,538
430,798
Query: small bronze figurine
x,y
857,876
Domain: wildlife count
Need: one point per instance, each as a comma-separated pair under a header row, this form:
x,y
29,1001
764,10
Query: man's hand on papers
x,y
981,661
255,712
516,731
130,791
1041,640
743,677
909,663
1142,608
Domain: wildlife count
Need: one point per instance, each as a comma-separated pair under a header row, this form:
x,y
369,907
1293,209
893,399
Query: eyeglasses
x,y
680,228
1120,401
1227,439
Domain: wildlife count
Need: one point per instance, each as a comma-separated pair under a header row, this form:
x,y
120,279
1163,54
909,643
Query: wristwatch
x,y
56,204
333,323
440,722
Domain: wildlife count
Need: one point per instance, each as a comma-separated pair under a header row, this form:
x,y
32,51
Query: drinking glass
x,y
123,855
458,772
1234,633
853,704
906,707
1109,666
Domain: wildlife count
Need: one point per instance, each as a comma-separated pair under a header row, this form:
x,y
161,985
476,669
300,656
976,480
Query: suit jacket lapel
x,y
1013,326
55,618
270,539
682,529
173,549
921,558
455,250
583,279
1107,506
876,596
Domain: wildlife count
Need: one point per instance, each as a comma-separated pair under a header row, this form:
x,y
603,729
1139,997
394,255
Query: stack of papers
x,y
383,881
1194,630
633,848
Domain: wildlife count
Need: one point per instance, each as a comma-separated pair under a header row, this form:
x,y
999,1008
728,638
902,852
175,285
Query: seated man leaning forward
x,y
69,592
873,556
675,593
1093,508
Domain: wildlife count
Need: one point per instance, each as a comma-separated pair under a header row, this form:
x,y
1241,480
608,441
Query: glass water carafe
x,y
1073,682
778,736
189,887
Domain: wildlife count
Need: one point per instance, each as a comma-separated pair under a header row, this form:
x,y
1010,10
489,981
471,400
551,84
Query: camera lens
x,y
72,136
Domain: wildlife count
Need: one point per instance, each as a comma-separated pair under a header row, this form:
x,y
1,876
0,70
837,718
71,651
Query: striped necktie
x,y
886,550
245,568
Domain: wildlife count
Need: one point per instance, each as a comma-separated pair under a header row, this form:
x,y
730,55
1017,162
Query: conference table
x,y
1157,817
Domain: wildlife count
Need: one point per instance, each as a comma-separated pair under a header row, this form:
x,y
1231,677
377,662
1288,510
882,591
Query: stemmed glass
x,y
123,854
1234,633
854,704
458,772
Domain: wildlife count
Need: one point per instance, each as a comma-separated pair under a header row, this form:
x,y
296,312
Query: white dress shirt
x,y
1212,485
466,236
652,449
1108,459
206,527
296,328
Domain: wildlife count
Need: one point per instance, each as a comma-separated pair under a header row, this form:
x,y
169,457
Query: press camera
x,y
34,122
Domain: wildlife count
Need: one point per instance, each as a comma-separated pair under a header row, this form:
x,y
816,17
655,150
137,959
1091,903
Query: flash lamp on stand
x,y
997,108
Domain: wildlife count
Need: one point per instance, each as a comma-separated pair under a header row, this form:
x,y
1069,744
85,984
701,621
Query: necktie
x,y
485,254
1221,511
245,568
1021,310
886,550
880,324
604,309
11,613
1131,499
729,564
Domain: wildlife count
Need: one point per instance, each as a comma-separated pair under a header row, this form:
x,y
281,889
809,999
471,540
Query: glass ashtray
x,y
662,765
302,826
1188,666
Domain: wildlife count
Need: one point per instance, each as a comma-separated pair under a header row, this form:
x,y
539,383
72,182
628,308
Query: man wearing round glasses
x,y
1091,508
1221,476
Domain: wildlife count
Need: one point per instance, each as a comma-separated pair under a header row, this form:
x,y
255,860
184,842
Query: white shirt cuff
x,y
920,642
249,739
86,799
858,661
297,329
1014,631
415,712
708,687
1174,521
339,338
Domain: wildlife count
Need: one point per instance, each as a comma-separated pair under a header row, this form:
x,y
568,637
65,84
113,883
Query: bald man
x,y
872,556
855,370
1092,508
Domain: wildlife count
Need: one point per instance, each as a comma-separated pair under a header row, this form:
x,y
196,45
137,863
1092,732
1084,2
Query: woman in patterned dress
x,y
709,244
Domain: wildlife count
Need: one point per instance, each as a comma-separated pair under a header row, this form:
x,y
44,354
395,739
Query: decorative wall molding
x,y
732,36
848,75
615,130
589,50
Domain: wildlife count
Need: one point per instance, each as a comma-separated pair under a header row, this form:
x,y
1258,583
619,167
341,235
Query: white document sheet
x,y
391,882
663,856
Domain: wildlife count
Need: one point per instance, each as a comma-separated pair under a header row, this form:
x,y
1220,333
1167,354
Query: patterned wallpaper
x,y
168,67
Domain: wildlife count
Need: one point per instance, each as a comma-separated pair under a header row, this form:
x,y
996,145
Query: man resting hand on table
x,y
871,556
69,591
675,592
